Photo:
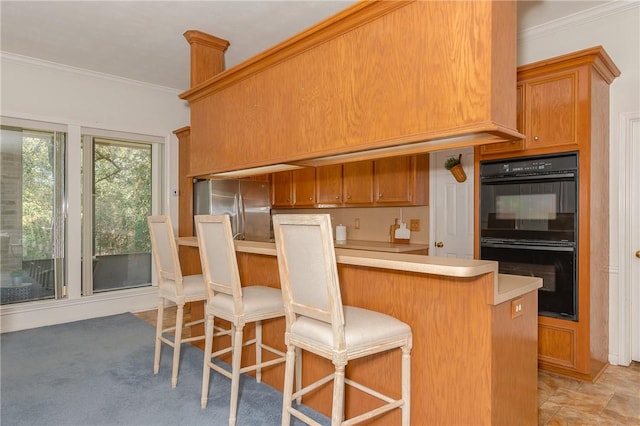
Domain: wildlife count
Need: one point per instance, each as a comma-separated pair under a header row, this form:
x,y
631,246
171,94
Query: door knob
x,y
638,254
439,244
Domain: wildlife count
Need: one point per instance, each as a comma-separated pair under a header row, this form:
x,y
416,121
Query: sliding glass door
x,y
118,188
32,225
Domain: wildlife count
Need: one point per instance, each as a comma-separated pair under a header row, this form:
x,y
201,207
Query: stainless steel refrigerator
x,y
247,202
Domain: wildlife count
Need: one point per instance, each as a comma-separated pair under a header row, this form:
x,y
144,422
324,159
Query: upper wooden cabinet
x,y
304,187
556,103
329,184
393,181
357,182
551,109
344,184
282,189
293,188
378,74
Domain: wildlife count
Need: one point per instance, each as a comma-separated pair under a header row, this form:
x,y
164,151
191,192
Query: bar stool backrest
x,y
165,255
220,271
308,271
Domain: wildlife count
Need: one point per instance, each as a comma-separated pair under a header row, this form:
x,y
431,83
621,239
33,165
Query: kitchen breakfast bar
x,y
474,357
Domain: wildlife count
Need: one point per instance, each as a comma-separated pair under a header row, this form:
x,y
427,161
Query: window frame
x,y
88,137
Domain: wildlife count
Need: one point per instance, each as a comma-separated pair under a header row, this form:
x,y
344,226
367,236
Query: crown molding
x,y
13,57
588,15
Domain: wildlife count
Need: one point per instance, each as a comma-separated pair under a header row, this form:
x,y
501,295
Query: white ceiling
x,y
142,40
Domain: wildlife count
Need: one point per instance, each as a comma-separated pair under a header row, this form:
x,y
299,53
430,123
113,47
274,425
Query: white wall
x,y
616,27
41,91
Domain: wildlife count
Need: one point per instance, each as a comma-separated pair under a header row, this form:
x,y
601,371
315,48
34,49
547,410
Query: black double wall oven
x,y
529,224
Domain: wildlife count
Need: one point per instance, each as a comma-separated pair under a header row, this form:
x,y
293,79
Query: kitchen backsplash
x,y
374,221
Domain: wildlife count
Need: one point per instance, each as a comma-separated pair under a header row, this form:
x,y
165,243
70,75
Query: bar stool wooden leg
x,y
206,370
235,373
259,351
177,344
337,410
287,391
406,386
159,325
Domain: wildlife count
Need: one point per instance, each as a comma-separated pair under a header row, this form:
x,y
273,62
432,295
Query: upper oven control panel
x,y
530,165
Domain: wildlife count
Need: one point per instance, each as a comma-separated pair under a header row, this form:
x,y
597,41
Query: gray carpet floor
x,y
100,372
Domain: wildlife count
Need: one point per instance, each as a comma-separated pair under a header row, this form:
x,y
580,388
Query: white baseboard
x,y
22,316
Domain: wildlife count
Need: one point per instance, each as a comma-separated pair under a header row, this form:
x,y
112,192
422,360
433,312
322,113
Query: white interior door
x,y
452,214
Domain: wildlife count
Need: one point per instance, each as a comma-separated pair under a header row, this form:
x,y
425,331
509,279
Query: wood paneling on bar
x,y
471,363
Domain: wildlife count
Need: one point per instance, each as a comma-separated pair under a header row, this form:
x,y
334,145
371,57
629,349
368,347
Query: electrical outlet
x,y
357,224
414,225
516,307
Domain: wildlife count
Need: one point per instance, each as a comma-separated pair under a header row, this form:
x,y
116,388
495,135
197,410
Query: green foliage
x,y
122,197
37,196
451,162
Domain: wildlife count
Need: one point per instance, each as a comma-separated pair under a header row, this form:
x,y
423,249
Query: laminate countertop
x,y
506,287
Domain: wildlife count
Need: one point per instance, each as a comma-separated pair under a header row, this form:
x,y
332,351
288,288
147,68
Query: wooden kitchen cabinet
x,y
304,187
392,180
564,106
281,189
556,102
401,180
357,182
551,110
293,188
329,185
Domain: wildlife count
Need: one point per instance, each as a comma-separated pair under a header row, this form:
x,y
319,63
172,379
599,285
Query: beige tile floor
x,y
614,399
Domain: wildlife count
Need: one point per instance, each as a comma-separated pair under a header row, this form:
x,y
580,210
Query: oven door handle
x,y
504,179
528,247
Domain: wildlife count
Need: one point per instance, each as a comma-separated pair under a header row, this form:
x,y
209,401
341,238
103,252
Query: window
x,y
32,224
106,183
117,198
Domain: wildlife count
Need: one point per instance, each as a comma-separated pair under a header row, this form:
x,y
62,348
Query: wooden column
x,y
207,55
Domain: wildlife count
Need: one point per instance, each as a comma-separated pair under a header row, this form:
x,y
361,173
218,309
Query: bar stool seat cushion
x,y
256,299
363,328
193,287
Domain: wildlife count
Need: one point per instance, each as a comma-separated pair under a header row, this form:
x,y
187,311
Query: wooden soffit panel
x,y
377,75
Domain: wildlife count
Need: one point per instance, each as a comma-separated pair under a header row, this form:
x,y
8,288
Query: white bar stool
x,y
227,299
174,287
318,322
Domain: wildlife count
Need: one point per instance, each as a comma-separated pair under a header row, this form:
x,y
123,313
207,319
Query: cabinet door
x,y
357,182
329,184
511,146
393,180
281,189
551,110
304,187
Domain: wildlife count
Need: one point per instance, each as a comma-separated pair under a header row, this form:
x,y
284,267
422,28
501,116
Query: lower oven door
x,y
556,265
